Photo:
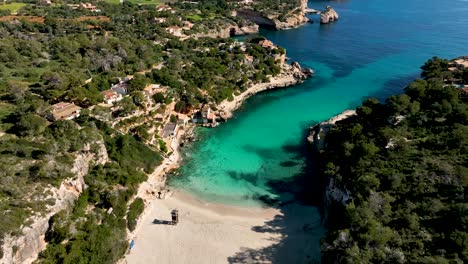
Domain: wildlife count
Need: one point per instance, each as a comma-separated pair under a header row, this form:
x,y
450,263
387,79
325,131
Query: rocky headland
x,y
316,138
290,75
318,132
229,30
328,15
292,19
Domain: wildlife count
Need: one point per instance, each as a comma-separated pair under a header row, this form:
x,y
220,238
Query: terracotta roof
x,y
265,43
249,57
109,93
173,27
65,110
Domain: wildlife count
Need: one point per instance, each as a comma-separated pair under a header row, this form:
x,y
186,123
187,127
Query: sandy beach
x,y
205,234
214,233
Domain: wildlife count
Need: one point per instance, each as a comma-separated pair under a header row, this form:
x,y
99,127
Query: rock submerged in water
x,y
328,15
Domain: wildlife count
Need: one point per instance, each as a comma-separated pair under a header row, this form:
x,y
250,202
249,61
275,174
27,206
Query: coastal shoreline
x,y
285,79
156,182
217,233
202,231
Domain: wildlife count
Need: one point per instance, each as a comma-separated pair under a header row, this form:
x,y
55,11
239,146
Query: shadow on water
x,y
389,88
297,228
395,86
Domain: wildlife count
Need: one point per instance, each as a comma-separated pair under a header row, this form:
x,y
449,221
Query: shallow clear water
x,y
375,49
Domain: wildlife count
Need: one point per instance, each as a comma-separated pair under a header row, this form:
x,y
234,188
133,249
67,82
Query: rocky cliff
x,y
294,18
316,138
292,21
318,132
328,15
229,31
26,247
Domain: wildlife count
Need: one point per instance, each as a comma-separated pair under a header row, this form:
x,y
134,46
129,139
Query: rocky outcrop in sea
x,y
299,72
328,15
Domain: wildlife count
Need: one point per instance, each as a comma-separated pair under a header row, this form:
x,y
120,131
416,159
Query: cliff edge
x,y
25,247
318,132
274,20
316,137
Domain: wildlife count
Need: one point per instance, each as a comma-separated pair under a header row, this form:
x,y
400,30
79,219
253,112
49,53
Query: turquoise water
x,y
375,49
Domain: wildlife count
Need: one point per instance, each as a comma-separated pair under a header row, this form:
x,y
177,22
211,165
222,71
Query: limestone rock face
x,y
256,17
299,72
229,31
26,247
293,19
244,30
318,132
316,138
328,15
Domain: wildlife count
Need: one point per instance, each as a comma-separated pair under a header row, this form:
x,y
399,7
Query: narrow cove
x,y
261,154
235,162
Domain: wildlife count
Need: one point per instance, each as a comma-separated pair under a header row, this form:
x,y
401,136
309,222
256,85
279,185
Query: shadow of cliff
x,y
297,228
389,88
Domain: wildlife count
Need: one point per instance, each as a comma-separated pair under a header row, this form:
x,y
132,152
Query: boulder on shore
x,y
328,15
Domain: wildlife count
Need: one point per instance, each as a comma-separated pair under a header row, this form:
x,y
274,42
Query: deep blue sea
x,y
374,50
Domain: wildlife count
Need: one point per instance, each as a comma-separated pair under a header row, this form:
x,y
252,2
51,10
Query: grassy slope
x,y
13,7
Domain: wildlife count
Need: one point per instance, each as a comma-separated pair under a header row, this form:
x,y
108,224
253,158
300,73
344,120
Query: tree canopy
x,y
405,165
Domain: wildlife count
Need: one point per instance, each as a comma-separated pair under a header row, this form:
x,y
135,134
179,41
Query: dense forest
x,y
404,164
51,53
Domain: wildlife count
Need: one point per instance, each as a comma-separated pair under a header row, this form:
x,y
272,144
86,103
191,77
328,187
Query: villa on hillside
x,y
248,59
239,44
160,19
121,87
266,44
111,96
151,89
170,130
162,8
204,116
64,111
87,6
175,30
188,25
